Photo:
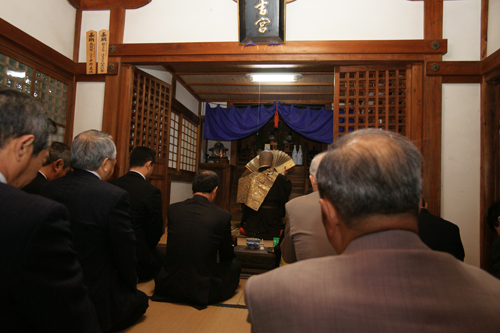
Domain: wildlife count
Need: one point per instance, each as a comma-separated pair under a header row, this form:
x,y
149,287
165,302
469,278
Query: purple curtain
x,y
235,123
313,124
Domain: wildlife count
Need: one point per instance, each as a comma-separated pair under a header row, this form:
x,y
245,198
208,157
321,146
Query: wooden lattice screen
x,y
370,98
150,114
188,145
174,141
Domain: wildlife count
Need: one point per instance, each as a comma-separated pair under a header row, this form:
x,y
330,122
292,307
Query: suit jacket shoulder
x,y
440,235
36,184
37,251
363,282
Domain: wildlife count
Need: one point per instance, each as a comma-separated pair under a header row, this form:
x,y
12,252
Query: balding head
x,y
371,172
266,158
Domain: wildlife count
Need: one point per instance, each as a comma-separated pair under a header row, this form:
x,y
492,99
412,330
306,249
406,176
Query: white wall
x,y
158,72
50,21
185,97
461,143
493,26
180,191
182,21
460,187
217,21
88,107
354,20
462,28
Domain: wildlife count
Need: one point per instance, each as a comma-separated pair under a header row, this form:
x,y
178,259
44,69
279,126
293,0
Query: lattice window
x,y
51,92
149,114
370,99
188,146
174,140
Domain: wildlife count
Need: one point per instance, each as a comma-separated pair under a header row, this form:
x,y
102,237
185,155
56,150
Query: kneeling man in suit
x,y
145,211
198,230
41,281
385,279
102,232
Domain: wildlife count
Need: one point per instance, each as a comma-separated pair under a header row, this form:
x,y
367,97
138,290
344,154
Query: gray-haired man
x,y
102,231
384,278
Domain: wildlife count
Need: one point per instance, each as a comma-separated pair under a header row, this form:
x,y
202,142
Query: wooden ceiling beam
x,y
460,68
414,46
108,4
334,59
491,63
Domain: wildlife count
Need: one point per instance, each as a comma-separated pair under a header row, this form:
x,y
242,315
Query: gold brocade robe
x,y
254,187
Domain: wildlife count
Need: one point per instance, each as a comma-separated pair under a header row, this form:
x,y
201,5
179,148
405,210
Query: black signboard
x,y
262,21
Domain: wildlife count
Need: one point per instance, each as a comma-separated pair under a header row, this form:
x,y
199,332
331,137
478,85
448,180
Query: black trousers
x,y
134,314
230,279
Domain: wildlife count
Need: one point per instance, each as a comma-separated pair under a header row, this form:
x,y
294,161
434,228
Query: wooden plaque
x,y
91,51
103,51
261,21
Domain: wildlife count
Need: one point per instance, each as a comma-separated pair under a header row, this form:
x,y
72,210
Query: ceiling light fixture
x,y
274,77
273,66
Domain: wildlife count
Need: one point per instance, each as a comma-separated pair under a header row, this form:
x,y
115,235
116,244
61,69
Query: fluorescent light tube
x,y
274,77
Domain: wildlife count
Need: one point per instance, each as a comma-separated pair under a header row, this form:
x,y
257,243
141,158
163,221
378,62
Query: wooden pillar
x,y
112,105
432,107
490,166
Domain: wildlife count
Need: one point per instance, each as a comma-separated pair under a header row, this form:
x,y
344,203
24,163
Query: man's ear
x,y
58,164
330,217
106,165
314,183
22,146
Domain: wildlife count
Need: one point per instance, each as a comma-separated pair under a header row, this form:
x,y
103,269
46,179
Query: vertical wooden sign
x,y
91,51
103,51
261,21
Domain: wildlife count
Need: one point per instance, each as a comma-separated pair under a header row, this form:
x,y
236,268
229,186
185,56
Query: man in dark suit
x,y
58,164
145,211
439,234
103,235
385,279
41,281
197,231
266,220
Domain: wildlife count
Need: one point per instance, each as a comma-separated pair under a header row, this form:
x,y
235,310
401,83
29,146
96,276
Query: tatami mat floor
x,y
171,317
229,316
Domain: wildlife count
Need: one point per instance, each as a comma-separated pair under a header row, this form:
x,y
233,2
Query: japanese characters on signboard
x,y
261,21
97,51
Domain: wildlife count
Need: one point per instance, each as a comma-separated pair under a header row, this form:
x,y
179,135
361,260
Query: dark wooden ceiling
x,y
226,82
